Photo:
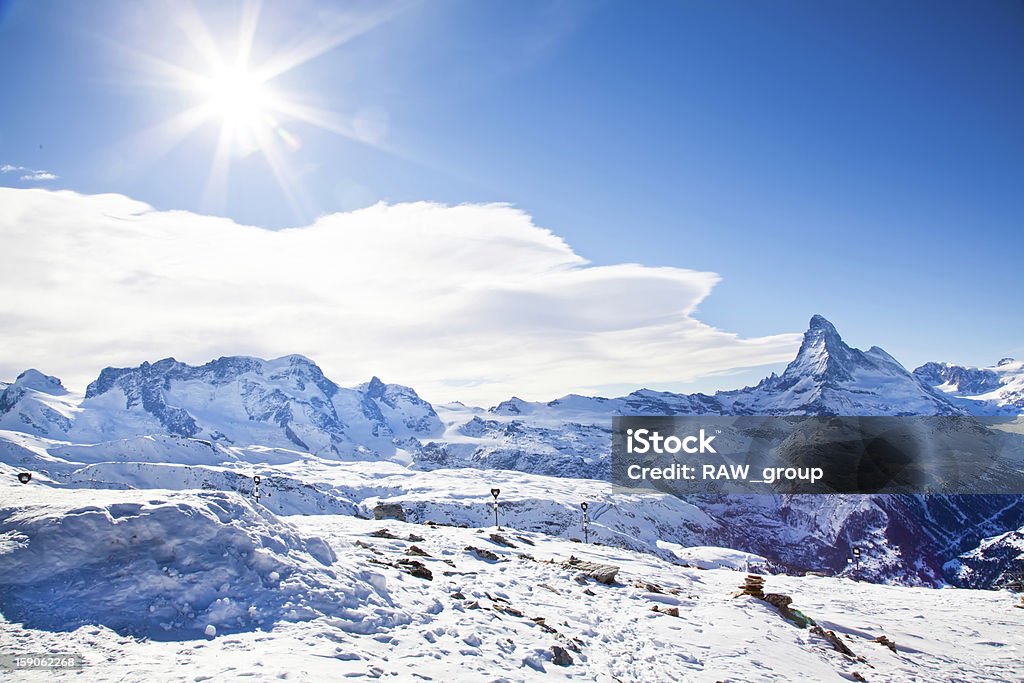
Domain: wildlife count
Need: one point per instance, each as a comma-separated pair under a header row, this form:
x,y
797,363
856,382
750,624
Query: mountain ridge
x,y
240,409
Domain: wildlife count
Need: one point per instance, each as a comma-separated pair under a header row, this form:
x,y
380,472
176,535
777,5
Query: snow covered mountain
x,y
37,404
999,387
174,425
827,377
286,402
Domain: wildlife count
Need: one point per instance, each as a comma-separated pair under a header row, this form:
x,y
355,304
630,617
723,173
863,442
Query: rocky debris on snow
x,y
778,600
655,588
560,657
525,540
417,551
413,538
542,623
671,611
389,511
383,533
833,640
482,553
501,540
507,610
855,675
884,640
457,595
547,587
602,573
415,568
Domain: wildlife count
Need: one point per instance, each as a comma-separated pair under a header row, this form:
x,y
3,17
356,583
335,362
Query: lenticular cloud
x,y
472,302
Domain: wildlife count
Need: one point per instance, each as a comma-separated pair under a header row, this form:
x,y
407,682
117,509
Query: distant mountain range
x,y
172,412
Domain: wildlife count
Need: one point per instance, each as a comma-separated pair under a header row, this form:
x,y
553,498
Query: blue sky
x,y
859,160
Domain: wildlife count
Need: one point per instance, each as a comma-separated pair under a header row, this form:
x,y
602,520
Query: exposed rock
x,y
417,551
413,538
649,587
670,611
382,533
415,568
389,511
501,540
602,573
833,640
560,656
507,610
482,553
782,602
883,640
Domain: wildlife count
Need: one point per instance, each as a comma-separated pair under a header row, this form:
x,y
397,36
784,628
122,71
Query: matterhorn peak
x,y
819,328
823,353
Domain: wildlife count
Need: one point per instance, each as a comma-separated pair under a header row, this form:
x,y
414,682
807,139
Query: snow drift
x,y
168,566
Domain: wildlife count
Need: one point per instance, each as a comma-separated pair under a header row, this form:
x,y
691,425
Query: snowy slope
x,y
432,602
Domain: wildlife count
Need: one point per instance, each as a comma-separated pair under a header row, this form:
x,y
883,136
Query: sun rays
x,y
241,96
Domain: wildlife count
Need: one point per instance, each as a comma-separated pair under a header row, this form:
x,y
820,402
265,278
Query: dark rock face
x,y
998,562
560,656
968,381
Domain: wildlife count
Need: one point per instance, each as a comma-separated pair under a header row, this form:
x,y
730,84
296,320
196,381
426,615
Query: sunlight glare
x,y
237,96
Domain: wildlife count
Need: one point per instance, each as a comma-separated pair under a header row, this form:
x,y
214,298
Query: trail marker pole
x,y
495,492
586,531
856,559
256,488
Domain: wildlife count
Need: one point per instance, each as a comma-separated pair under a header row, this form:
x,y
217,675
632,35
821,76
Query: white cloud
x,y
28,174
472,302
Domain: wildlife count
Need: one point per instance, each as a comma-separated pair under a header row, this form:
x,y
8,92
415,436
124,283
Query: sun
x,y
237,96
